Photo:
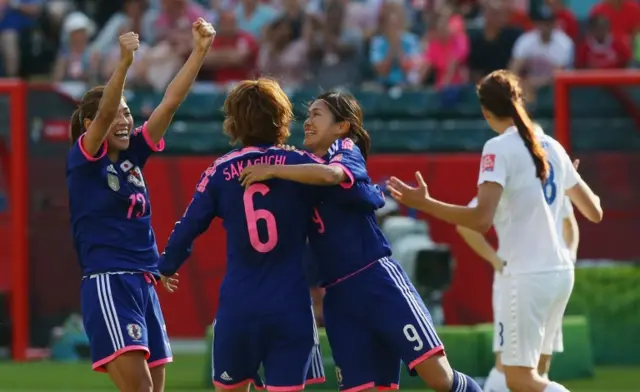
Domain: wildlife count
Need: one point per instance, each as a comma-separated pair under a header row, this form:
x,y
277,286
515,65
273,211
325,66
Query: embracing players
x,y
111,221
373,315
264,314
522,174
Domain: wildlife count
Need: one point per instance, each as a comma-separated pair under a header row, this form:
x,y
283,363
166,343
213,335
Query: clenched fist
x,y
129,43
203,34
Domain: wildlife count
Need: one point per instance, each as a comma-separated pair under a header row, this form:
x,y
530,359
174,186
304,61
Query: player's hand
x,y
129,43
203,35
576,163
412,197
498,266
286,147
170,283
255,173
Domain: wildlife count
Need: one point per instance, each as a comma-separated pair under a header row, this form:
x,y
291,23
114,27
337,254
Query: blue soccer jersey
x,y
110,210
346,239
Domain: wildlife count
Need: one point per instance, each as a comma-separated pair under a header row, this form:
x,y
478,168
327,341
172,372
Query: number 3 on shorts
x,y
411,334
253,216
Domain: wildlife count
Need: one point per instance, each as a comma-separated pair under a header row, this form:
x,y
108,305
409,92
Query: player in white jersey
x,y
568,228
522,175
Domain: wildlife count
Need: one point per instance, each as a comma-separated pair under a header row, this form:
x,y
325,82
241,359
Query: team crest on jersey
x,y
339,375
488,162
113,181
126,166
135,331
135,177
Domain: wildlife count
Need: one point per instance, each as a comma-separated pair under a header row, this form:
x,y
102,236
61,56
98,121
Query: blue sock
x,y
464,383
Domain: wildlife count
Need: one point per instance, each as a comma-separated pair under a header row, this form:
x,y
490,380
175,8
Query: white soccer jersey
x,y
529,213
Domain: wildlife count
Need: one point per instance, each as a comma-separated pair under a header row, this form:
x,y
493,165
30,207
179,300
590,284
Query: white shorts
x,y
528,318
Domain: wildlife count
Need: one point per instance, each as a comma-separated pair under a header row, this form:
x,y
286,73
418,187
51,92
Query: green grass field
x,y
186,374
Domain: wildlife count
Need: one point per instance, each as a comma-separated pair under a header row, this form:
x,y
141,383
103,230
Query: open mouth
x,y
122,134
309,132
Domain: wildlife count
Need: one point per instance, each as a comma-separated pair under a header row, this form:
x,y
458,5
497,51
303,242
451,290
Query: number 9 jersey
x,y
527,233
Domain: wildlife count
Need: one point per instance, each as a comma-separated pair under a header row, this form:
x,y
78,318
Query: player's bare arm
x,y
481,247
587,202
312,174
478,218
98,128
203,35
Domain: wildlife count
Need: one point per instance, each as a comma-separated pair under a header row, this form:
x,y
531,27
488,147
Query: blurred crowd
x,y
387,44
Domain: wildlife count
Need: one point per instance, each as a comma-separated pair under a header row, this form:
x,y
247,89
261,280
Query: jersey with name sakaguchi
x,y
344,240
528,235
110,209
266,226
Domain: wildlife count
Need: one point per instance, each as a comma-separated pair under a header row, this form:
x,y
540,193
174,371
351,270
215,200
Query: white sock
x,y
496,382
555,387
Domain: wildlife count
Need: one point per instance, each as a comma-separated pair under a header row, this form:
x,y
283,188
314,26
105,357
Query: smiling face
x,y
120,129
321,128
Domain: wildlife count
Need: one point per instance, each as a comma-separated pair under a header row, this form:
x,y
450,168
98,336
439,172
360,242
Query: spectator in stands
x,y
136,16
600,49
541,51
75,61
283,58
334,48
491,47
234,53
446,54
253,16
394,53
517,17
565,20
294,12
623,16
16,17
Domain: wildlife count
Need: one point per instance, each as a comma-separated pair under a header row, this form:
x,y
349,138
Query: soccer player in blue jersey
x,y
264,314
373,315
111,222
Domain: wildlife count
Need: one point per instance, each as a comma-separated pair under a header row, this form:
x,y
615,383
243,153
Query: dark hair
x,y
87,108
500,93
257,112
344,107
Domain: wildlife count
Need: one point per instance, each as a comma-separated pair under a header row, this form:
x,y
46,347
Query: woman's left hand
x,y
255,173
412,197
170,283
203,35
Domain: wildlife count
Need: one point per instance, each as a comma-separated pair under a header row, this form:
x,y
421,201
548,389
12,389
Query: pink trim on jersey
x,y
425,356
347,172
99,366
362,387
155,147
160,362
294,388
102,151
390,387
318,380
248,150
236,385
350,275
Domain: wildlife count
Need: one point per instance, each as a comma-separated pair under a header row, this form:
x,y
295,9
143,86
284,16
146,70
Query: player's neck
x,y
113,155
502,126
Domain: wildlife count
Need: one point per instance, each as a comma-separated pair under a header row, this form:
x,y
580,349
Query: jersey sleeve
x,y
141,146
361,194
348,156
571,175
493,164
196,219
78,156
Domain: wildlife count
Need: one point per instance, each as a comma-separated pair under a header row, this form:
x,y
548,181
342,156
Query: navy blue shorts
x,y
121,312
286,345
375,320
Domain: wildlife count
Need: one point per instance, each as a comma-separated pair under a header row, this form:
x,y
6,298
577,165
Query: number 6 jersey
x,y
528,208
110,210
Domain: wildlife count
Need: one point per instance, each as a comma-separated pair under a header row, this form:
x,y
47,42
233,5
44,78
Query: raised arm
x,y
110,102
203,35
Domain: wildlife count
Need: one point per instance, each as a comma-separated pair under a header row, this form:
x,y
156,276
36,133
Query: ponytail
x,y
525,129
77,127
363,141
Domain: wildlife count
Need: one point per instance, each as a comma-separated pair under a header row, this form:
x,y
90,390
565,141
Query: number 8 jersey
x,y
528,209
109,206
